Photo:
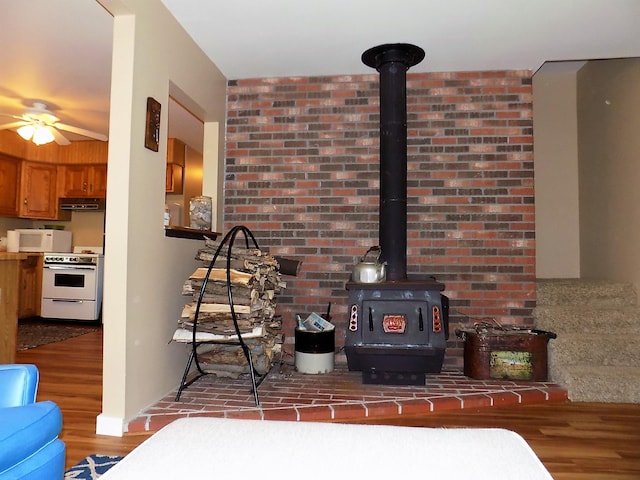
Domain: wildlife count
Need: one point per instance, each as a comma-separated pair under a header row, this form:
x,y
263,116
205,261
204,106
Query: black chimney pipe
x,y
392,62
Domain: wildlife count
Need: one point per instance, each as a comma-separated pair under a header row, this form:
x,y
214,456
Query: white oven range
x,y
72,286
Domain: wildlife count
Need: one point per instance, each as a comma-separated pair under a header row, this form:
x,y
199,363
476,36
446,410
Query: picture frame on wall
x,y
152,128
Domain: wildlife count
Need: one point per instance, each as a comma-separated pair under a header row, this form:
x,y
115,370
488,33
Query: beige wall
x,y
87,228
144,270
11,223
609,149
555,130
586,145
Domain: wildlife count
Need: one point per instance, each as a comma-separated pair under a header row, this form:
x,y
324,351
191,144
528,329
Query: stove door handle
x,y
420,320
70,267
370,320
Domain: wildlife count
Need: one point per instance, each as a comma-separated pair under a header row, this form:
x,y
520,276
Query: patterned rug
x,y
91,467
33,333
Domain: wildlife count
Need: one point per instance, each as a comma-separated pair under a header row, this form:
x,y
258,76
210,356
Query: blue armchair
x,y
29,445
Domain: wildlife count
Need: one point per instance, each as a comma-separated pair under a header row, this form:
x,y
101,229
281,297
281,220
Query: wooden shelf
x,y
191,233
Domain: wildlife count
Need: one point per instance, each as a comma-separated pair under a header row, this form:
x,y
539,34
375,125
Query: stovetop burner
x,y
82,255
72,258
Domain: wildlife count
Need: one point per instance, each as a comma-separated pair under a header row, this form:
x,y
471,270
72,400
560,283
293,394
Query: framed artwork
x,y
152,130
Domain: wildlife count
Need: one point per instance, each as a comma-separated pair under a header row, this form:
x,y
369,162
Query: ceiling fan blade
x,y
17,117
58,137
13,125
80,131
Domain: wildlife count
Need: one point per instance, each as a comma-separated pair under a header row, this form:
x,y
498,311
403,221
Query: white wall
x,y
144,270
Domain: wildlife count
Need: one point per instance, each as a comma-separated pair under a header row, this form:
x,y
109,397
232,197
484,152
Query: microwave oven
x,y
43,240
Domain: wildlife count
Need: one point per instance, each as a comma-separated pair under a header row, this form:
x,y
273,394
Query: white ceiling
x,y
274,38
60,52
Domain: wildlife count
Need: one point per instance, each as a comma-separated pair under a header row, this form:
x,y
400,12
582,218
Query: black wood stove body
x,y
398,328
397,331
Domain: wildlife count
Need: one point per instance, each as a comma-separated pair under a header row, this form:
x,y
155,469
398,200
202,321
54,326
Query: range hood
x,y
83,204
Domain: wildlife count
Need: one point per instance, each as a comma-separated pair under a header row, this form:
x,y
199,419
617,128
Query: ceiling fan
x,y
41,126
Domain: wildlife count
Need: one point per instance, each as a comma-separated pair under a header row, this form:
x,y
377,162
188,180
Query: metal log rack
x,y
256,378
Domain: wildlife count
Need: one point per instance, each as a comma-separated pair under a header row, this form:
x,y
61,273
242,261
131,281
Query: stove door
x,y
397,322
69,282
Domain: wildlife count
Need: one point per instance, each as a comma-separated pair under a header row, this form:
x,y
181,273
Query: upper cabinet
x,y
175,165
28,189
38,196
82,181
9,181
82,169
99,181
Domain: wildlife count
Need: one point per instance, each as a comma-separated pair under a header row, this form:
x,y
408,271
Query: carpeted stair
x,y
597,353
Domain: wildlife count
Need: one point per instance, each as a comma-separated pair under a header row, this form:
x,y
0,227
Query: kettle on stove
x,y
370,269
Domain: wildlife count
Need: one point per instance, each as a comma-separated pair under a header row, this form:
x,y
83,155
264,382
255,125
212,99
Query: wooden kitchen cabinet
x,y
99,181
82,181
9,181
30,290
173,182
38,191
176,150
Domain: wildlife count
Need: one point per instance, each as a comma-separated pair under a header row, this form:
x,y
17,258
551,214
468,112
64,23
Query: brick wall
x,y
302,172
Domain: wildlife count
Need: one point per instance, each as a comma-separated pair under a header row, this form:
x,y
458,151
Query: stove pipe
x,y
392,62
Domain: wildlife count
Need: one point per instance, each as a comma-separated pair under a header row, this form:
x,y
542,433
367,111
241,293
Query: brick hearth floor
x,y
339,395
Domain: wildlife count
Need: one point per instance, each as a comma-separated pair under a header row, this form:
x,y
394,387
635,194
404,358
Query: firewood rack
x,y
256,378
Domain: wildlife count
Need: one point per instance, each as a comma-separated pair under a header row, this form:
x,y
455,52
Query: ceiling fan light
x,y
26,131
42,135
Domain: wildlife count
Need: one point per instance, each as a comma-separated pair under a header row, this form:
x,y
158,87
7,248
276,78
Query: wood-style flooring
x,y
575,441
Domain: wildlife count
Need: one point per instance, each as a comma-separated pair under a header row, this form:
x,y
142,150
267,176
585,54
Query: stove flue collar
x,y
405,53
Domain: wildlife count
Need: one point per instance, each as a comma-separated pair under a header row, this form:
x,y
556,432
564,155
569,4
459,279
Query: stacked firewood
x,y
255,285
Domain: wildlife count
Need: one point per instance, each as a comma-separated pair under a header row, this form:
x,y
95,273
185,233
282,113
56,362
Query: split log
x,y
214,308
218,290
237,277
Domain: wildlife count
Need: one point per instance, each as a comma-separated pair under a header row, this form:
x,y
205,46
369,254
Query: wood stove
x,y
398,328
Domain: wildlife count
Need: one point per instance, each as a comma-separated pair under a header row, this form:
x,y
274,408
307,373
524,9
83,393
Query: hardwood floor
x,y
71,376
575,441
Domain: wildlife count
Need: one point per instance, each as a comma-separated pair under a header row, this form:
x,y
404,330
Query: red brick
x,y
314,414
446,403
348,411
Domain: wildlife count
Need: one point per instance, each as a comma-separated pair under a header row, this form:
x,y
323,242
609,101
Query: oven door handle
x,y
66,301
73,267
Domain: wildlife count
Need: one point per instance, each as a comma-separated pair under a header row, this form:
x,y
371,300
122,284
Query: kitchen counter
x,y
6,256
192,233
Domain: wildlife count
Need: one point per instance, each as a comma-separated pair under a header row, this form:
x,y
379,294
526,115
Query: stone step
x,y
587,383
584,292
572,319
595,349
